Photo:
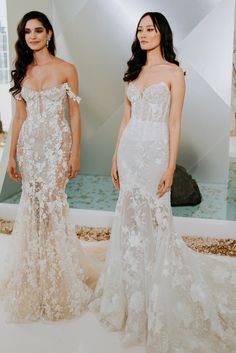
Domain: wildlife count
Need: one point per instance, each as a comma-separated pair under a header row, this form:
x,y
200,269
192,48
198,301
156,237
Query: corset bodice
x,y
50,102
150,105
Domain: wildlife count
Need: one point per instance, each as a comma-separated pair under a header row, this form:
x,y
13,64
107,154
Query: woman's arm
x,y
74,114
124,122
19,118
177,100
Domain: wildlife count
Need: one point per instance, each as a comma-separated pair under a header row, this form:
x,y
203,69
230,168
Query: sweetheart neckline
x,y
46,89
148,87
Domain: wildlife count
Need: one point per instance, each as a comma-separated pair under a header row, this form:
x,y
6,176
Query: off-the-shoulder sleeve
x,y
72,95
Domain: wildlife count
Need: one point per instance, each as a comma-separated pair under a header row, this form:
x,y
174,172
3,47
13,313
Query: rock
x,y
184,191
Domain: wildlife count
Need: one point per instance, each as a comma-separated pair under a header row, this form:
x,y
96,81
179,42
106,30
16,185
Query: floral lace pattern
x,y
154,288
45,272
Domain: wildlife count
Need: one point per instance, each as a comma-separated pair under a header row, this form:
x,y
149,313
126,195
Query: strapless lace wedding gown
x,y
154,288
44,277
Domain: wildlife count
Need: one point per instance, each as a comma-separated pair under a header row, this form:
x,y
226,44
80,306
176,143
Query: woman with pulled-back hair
x,y
45,274
154,288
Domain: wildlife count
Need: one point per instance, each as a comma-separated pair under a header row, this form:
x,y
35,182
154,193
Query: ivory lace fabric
x,y
46,269
154,288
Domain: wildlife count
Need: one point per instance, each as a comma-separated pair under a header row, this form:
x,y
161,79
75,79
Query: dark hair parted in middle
x,y
24,55
139,56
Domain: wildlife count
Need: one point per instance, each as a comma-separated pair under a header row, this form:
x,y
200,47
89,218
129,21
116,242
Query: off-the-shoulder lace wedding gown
x,y
155,288
44,277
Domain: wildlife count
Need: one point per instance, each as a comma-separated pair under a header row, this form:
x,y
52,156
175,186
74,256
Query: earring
x,y
47,42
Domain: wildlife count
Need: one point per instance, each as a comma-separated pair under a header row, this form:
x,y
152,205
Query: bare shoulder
x,y
175,70
176,75
65,66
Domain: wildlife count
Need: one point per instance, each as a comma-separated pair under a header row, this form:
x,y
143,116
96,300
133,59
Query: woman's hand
x,y
12,170
165,183
73,166
114,174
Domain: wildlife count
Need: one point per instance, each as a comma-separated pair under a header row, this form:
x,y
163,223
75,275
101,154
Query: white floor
x,y
83,335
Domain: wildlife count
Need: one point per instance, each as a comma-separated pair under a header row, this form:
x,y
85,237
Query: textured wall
x,y
96,35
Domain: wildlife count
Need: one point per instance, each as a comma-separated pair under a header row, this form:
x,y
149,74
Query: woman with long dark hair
x,y
154,288
44,277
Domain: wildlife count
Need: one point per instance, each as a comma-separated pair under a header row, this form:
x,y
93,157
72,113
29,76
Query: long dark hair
x,y
139,56
24,55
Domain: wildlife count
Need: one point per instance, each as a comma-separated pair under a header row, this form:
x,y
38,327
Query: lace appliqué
x,y
154,288
71,94
44,276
